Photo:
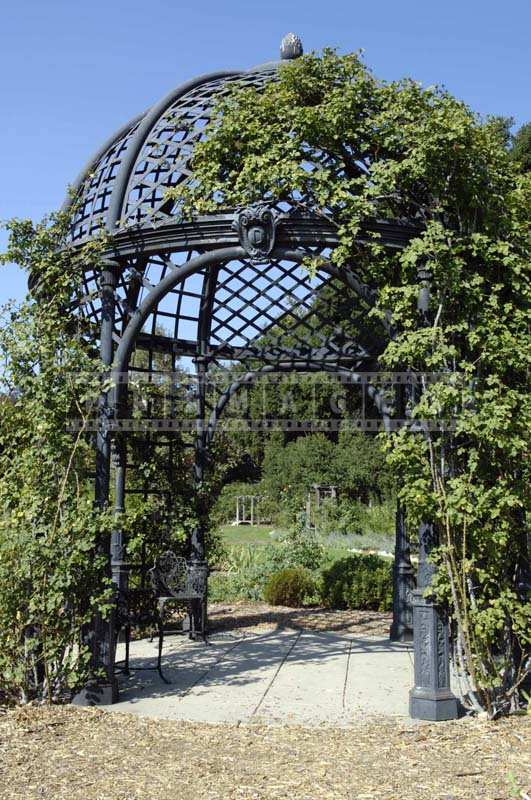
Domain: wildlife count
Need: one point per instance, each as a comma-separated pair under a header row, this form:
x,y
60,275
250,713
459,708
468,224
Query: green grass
x,y
342,543
249,534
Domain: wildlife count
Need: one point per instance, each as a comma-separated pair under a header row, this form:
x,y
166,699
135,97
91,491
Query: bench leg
x,y
127,636
197,618
204,619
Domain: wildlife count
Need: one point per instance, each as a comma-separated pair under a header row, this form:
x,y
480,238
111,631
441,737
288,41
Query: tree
x,y
329,138
521,147
518,144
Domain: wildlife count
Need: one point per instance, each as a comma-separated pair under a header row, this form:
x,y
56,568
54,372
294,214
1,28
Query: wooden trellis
x,y
248,509
315,499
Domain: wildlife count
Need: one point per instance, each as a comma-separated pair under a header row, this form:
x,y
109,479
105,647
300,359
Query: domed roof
x,y
125,183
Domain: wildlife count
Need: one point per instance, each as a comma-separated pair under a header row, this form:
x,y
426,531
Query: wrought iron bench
x,y
138,607
173,578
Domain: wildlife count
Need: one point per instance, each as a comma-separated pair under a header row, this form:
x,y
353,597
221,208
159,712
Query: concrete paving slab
x,y
294,677
234,686
222,681
379,677
309,687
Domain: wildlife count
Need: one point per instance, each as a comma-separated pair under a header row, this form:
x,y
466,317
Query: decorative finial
x,y
291,47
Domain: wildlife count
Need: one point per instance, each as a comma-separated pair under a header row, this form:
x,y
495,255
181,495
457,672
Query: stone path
x,y
297,677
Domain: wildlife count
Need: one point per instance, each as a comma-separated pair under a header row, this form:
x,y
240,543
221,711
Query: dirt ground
x,y
261,617
87,754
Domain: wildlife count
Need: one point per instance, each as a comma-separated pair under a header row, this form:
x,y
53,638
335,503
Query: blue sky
x,y
72,72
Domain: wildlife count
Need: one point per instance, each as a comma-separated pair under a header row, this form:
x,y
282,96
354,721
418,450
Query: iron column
x,y
100,636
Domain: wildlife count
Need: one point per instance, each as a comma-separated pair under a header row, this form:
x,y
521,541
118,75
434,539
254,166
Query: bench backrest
x,y
173,576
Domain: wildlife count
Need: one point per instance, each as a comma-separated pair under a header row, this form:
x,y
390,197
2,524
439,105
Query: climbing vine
x,y
54,542
51,583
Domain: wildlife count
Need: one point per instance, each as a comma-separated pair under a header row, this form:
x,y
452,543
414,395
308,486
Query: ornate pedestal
x,y
431,698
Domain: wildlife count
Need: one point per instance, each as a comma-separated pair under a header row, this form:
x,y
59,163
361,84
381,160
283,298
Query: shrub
x,y
229,587
248,569
379,519
290,587
358,581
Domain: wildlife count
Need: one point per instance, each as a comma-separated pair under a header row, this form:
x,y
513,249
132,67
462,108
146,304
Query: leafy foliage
x,y
341,517
52,574
355,464
521,147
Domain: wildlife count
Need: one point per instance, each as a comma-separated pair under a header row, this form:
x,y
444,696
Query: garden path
x,y
281,676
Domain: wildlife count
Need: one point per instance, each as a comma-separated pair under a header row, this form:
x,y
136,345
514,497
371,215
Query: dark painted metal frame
x,y
208,244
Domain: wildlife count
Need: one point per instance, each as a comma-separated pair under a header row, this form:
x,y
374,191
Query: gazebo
x,y
225,289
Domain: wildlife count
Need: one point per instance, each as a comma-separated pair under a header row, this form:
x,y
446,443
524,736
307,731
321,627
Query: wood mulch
x,y
259,617
89,754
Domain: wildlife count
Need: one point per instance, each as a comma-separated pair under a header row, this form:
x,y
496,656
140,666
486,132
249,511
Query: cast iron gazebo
x,y
226,289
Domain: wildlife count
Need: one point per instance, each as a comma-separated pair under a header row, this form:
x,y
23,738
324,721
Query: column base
x,y
400,633
97,694
433,706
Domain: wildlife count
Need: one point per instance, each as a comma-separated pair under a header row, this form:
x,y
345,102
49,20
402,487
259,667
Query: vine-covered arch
x,y
252,287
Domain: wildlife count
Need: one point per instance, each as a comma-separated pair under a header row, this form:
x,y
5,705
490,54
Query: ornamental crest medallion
x,y
256,226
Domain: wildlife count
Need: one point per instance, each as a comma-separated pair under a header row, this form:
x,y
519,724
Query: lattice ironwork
x,y
265,312
92,202
277,311
164,160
